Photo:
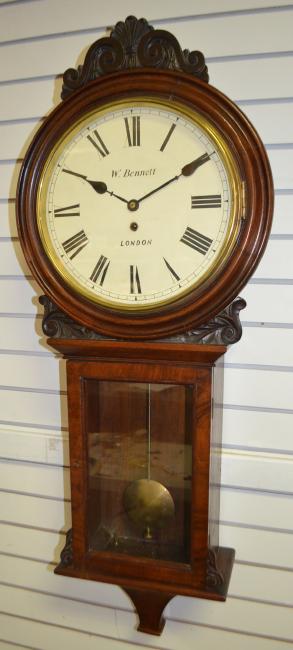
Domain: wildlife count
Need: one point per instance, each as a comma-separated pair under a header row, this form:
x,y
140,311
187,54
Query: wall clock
x,y
144,205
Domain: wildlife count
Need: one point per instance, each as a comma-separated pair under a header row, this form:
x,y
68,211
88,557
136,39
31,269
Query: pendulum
x,y
148,503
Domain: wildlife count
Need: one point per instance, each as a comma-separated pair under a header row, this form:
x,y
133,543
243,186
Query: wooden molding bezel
x,y
210,298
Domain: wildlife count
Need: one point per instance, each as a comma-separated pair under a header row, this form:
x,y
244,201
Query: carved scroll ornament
x,y
133,44
223,329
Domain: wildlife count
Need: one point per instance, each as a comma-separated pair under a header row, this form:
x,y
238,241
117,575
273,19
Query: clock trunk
x,y
144,462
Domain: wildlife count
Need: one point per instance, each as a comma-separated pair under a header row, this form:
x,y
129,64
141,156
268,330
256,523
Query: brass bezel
x,y
232,172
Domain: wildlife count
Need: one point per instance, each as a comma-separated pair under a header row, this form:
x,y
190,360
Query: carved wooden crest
x,y
133,44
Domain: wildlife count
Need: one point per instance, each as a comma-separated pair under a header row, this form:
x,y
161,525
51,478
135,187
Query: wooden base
x,y
149,606
151,600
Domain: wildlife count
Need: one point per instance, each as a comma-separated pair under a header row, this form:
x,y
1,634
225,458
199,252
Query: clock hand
x,y
175,178
187,170
101,188
190,168
98,186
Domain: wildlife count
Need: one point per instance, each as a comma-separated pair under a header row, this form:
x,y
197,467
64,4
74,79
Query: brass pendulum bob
x,y
148,503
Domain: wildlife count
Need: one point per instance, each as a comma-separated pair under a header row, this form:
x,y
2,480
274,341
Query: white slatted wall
x,y
248,45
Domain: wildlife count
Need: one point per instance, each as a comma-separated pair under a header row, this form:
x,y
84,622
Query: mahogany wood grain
x,y
90,365
138,356
193,353
218,290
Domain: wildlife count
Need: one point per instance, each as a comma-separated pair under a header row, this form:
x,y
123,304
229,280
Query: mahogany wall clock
x,y
144,205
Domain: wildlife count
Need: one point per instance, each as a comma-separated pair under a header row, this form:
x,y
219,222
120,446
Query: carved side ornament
x,y
223,329
133,44
66,555
58,325
214,575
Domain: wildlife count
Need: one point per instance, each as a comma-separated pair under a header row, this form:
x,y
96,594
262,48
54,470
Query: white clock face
x,y
137,205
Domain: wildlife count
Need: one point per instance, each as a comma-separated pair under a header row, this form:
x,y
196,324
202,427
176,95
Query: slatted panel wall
x,y
248,45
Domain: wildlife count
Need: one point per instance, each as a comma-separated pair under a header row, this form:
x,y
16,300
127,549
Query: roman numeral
x,y
75,243
169,267
68,211
98,143
133,131
206,201
100,270
135,286
196,240
168,136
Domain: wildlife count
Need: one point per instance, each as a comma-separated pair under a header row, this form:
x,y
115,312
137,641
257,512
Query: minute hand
x,y
187,170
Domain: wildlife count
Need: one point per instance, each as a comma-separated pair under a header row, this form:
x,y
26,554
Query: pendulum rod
x,y
147,502
149,432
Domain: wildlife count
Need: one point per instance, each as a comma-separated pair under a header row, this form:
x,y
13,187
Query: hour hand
x,y
99,186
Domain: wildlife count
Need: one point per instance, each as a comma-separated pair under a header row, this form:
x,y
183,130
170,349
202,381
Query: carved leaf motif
x,y
129,34
214,576
161,49
223,329
56,324
133,44
66,555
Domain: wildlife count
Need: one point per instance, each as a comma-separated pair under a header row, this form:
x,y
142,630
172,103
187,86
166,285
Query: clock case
x,y
139,61
178,347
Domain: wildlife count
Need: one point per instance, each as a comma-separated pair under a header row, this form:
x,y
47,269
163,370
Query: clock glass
x,y
138,204
139,448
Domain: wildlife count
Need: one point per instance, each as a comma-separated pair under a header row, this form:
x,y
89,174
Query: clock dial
x,y
137,204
